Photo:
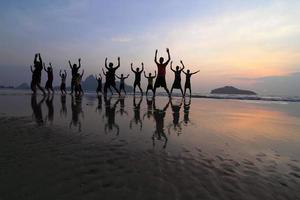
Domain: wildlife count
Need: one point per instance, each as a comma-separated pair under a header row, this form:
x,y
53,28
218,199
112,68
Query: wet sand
x,y
126,148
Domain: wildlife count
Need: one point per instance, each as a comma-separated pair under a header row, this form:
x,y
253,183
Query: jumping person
x,y
150,82
161,72
177,79
74,69
37,74
78,88
122,82
137,81
63,77
188,81
111,75
49,82
106,84
99,81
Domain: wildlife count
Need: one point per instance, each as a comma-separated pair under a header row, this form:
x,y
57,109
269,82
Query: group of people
x,y
110,77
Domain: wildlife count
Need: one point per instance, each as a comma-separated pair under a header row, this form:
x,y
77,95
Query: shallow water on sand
x,y
134,148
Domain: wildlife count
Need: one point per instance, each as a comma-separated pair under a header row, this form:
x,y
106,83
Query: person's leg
x,y
33,87
40,87
181,91
139,85
190,92
114,86
134,86
171,90
72,86
184,91
167,90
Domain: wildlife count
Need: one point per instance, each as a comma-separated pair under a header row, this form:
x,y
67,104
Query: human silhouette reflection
x,y
63,110
99,106
137,113
122,106
76,107
149,112
186,110
110,111
159,117
176,116
37,109
49,103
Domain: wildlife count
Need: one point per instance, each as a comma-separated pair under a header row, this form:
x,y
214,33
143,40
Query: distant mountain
x,y
90,84
23,86
232,90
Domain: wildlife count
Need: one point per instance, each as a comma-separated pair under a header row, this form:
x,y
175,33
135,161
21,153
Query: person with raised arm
x,y
78,87
106,84
122,82
63,77
74,69
137,80
49,82
37,73
177,79
161,72
187,85
150,82
99,81
110,75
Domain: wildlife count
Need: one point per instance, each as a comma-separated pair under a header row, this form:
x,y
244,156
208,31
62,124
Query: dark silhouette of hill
x,y
232,90
23,86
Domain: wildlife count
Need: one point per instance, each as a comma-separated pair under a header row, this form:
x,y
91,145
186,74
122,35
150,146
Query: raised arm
x,y
184,72
45,67
70,65
106,64
154,74
82,73
60,73
35,58
31,68
117,76
142,67
155,58
182,65
132,68
169,57
65,74
100,76
196,72
171,66
79,63
118,63
145,74
40,58
127,76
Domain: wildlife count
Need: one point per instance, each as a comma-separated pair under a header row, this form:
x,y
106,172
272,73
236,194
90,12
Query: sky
x,y
246,44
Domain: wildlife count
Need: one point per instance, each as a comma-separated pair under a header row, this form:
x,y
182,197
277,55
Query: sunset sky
x,y
233,42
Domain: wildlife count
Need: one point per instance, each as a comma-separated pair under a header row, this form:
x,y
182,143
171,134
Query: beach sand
x,y
123,148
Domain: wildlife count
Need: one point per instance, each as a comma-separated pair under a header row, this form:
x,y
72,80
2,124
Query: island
x,y
232,90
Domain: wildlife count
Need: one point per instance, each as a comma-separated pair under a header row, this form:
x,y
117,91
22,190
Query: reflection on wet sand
x,y
76,107
37,109
176,116
110,113
136,113
186,107
49,103
149,112
159,117
122,106
63,110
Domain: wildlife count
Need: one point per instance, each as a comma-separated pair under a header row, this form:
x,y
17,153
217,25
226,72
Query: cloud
x,y
121,39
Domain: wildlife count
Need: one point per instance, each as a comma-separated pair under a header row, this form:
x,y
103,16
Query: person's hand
x,y
119,58
156,51
131,64
142,64
181,61
168,50
79,59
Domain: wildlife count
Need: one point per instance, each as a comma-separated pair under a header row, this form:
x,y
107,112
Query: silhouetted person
x,y
137,80
76,107
122,82
149,112
186,111
110,112
122,106
137,113
37,109
188,76
74,69
150,82
49,83
49,103
63,110
176,115
159,117
37,73
78,88
63,77
106,85
99,81
177,79
161,72
110,76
